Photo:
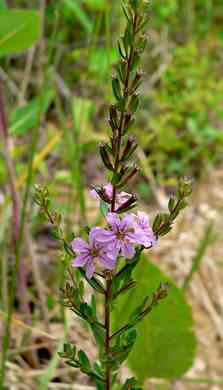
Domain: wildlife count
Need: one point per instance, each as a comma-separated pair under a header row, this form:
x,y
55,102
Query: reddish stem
x,y
15,202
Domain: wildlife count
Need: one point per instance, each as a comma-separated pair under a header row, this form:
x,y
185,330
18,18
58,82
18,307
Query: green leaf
x,y
144,24
106,164
134,5
109,149
116,178
98,339
70,363
126,209
129,37
121,105
165,339
81,288
167,230
25,118
157,222
19,29
67,249
93,305
84,360
79,13
115,90
135,106
122,54
94,282
131,152
104,208
129,382
125,12
135,63
56,234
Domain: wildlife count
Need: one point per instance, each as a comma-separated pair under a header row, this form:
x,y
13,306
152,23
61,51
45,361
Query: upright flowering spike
x,y
90,253
122,235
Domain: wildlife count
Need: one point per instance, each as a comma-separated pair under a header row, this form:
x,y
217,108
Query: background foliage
x,y
180,122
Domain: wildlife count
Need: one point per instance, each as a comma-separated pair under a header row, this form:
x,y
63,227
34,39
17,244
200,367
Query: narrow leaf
x,y
104,208
94,283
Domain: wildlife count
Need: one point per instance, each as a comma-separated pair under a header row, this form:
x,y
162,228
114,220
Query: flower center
x,y
120,234
94,252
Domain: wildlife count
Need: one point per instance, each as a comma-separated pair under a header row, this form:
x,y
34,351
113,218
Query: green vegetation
x,y
55,96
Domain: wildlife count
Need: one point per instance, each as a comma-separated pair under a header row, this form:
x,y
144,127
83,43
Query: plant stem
x,y
117,159
15,203
107,327
142,314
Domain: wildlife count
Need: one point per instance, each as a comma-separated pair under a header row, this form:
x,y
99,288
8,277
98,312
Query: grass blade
x,y
204,243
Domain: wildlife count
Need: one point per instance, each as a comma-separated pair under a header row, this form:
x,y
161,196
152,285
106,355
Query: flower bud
x,y
137,79
113,115
144,5
130,12
130,142
103,194
114,141
111,123
128,116
123,169
134,101
126,93
126,47
128,203
141,41
134,4
130,174
123,68
105,157
116,87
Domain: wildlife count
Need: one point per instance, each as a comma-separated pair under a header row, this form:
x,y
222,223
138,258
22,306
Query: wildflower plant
x,y
118,247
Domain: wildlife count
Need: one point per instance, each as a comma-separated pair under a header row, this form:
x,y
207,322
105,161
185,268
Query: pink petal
x,y
90,268
127,221
107,262
94,194
143,217
114,221
137,237
113,248
123,193
92,239
80,245
109,189
104,235
121,200
150,240
127,250
81,260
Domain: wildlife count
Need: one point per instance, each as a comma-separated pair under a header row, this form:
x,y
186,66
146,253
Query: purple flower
x,y
122,235
143,224
121,198
90,253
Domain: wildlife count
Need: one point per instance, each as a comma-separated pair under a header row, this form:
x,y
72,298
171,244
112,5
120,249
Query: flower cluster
x,y
105,193
89,253
105,245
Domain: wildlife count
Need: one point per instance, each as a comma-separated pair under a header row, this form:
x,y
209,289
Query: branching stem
x,y
107,327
